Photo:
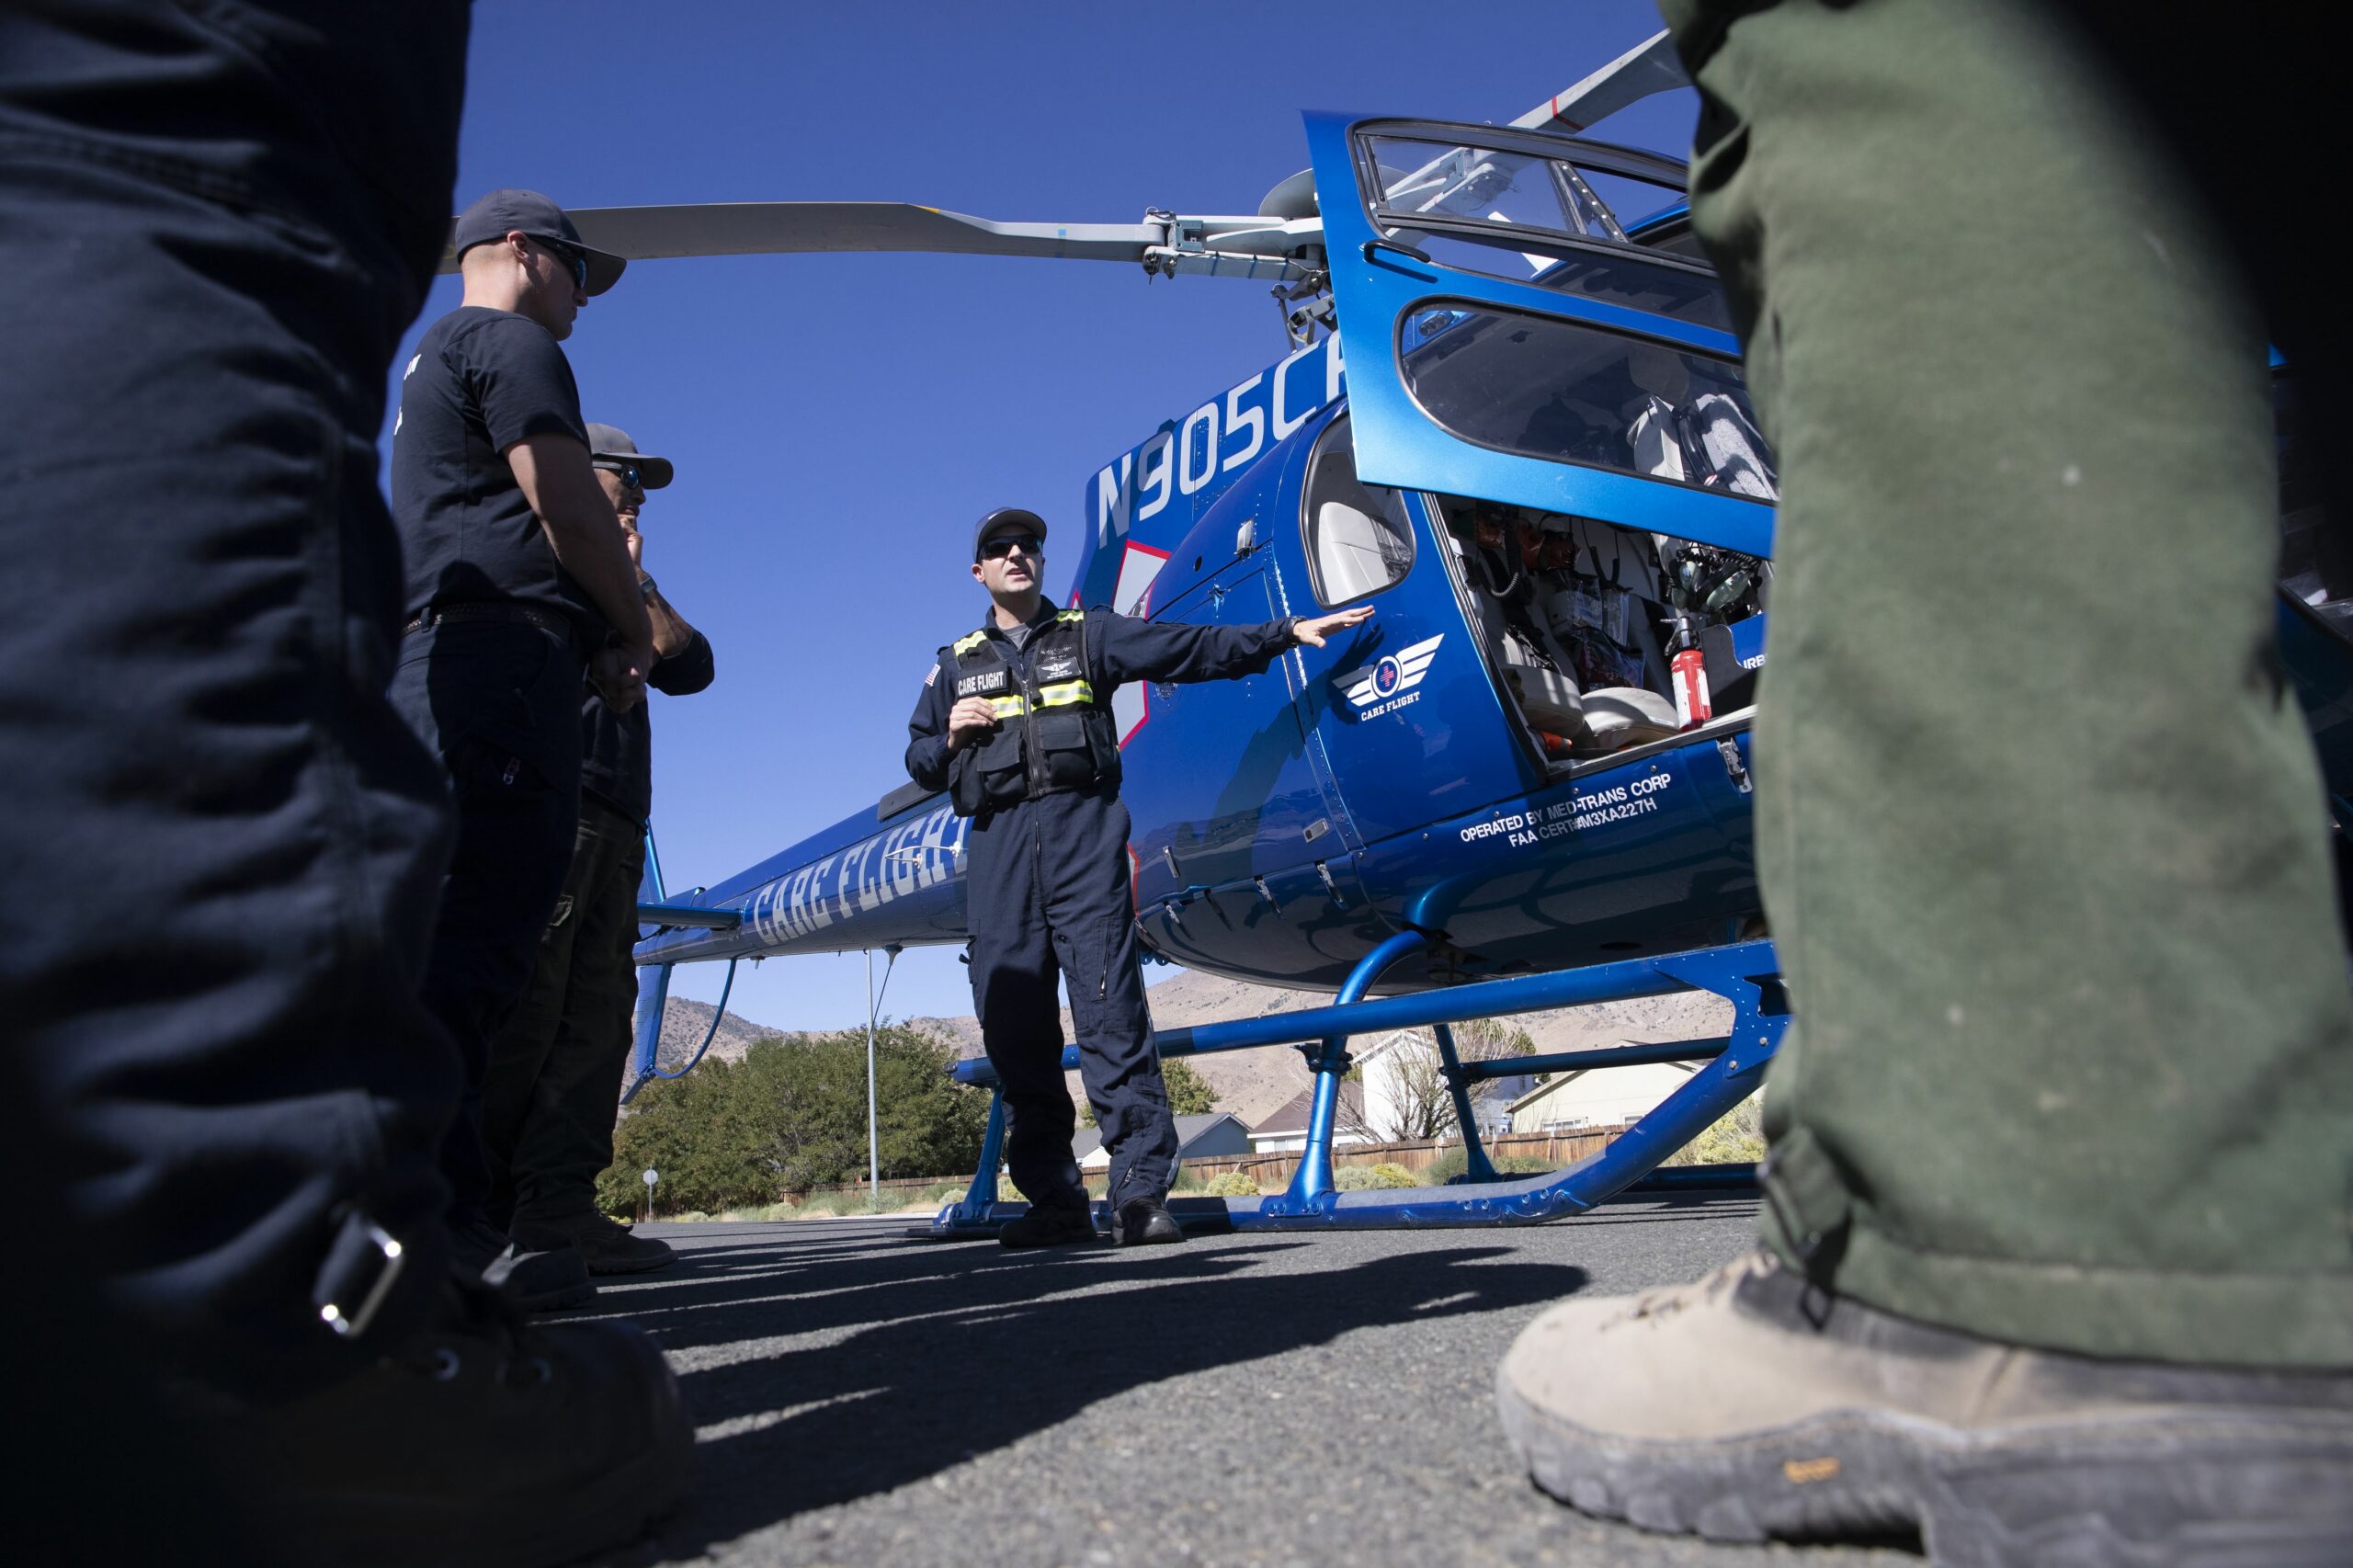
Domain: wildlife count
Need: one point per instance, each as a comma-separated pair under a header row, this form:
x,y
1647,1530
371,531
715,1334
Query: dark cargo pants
x,y
554,1077
2039,834
500,702
220,845
1048,898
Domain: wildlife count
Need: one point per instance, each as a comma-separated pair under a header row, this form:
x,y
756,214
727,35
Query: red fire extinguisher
x,y
1691,706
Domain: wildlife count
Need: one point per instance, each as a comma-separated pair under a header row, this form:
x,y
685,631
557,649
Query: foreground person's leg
x,y
222,846
2041,838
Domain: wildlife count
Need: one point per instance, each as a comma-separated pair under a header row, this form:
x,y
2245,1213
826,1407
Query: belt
x,y
508,610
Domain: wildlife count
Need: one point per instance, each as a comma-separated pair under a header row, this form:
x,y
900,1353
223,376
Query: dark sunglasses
x,y
631,478
570,257
1003,545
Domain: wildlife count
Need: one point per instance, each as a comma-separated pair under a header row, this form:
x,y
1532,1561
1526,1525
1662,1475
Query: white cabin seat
x,y
1620,716
1347,552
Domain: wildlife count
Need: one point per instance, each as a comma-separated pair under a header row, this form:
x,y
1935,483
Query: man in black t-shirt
x,y
555,1072
518,583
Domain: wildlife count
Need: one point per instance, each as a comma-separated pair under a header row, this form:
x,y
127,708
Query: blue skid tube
x,y
1745,973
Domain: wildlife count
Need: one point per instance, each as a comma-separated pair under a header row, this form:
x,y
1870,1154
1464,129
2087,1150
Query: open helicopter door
x,y
1504,323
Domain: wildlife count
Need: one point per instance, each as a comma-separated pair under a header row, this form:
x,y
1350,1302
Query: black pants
x,y
500,702
555,1070
1046,898
220,846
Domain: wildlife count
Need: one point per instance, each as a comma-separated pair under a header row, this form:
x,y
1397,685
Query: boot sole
x,y
2229,1490
595,1514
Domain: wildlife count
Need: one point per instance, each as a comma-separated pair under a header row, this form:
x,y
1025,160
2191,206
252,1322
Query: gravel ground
x,y
864,1398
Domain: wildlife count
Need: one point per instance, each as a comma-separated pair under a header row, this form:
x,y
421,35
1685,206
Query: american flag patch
x,y
931,675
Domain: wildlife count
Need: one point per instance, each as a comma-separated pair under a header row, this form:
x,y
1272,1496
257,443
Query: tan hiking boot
x,y
1751,1404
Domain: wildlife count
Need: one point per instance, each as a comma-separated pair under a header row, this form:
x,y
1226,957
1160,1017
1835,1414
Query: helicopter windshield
x,y
1542,388
1535,216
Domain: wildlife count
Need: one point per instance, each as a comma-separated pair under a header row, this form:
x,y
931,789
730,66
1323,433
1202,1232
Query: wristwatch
x,y
645,588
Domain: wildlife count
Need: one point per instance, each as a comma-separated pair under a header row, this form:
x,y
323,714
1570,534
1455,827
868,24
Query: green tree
x,y
791,1116
809,1098
1189,1093
693,1133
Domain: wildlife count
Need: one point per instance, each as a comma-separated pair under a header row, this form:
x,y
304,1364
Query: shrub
x,y
1737,1137
691,1217
791,1115
1361,1179
813,1209
1233,1184
944,1191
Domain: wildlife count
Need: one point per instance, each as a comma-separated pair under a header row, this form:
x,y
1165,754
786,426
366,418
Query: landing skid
x,y
1745,973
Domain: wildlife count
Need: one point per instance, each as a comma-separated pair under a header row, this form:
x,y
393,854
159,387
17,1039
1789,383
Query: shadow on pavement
x,y
932,1355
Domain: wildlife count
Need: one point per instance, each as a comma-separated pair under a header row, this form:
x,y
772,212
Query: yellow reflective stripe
x,y
1070,615
1065,693
966,643
1009,706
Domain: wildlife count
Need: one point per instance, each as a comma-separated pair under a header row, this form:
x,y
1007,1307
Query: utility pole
x,y
873,1136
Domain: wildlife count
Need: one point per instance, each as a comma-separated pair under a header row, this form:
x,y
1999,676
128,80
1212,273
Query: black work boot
x,y
537,1281
1752,1405
1049,1226
1144,1221
605,1245
483,1440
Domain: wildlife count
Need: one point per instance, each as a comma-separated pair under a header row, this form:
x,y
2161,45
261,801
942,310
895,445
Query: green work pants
x,y
2041,835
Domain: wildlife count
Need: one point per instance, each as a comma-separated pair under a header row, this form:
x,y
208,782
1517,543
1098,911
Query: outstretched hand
x,y
1310,630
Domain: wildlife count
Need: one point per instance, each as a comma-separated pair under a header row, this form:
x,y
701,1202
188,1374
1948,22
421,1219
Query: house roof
x,y
1291,1116
1562,1080
1188,1128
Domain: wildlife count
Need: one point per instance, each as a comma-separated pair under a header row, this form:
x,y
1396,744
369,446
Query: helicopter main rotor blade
x,y
1248,246
1651,66
772,228
767,228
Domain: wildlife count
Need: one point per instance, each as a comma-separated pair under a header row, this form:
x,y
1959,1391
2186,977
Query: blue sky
x,y
838,422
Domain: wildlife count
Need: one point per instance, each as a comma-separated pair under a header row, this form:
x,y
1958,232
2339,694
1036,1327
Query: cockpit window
x,y
1359,537
1523,210
1543,388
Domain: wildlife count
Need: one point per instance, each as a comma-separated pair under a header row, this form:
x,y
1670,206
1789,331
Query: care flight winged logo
x,y
1389,676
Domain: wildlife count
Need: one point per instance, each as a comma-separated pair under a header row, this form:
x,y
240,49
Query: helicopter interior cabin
x,y
1578,618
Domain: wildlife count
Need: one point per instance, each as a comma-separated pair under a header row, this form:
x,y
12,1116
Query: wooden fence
x,y
1274,1170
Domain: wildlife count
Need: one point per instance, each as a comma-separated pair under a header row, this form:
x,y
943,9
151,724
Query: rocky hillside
x,y
684,1023
1254,1084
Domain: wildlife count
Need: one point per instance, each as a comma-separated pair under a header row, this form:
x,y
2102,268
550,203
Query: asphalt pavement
x,y
863,1398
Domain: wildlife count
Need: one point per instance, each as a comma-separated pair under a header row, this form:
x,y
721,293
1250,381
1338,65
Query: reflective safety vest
x,y
1053,735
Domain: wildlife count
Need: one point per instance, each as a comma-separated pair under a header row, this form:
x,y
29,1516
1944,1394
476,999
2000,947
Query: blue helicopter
x,y
1512,419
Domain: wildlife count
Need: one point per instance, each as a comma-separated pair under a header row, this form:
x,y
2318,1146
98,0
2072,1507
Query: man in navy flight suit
x,y
1014,721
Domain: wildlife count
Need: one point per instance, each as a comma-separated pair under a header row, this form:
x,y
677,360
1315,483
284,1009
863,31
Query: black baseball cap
x,y
493,216
1005,517
608,443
